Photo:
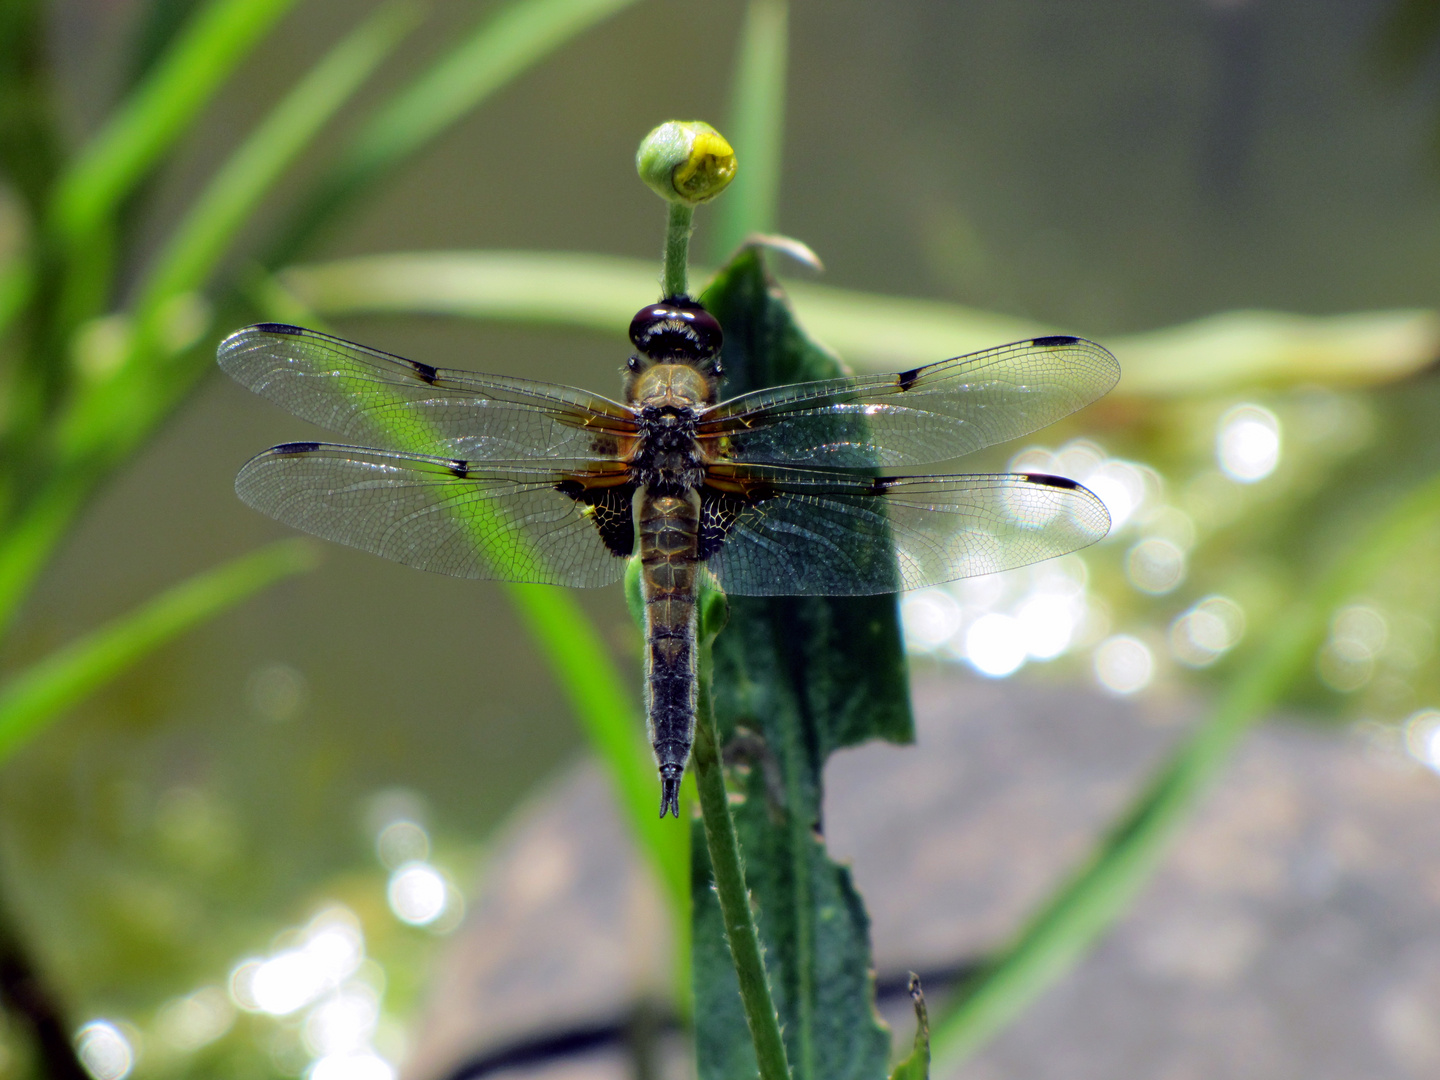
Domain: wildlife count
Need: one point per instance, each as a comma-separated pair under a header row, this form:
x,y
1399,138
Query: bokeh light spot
x,y
401,842
362,1066
1123,665
188,1023
417,893
1207,631
104,1050
930,617
1155,566
995,645
1247,444
1422,737
277,692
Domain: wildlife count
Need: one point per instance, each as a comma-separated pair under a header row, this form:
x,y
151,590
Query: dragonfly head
x,y
679,359
677,331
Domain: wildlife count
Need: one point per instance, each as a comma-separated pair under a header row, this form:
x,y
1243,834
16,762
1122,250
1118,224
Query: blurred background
x,y
328,762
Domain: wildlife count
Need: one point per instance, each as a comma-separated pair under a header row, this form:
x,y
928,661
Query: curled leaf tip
x,y
686,161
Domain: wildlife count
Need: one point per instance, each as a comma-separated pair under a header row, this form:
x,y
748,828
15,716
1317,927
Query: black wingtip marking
x,y
278,328
881,484
459,468
906,379
425,371
1052,481
295,448
1054,340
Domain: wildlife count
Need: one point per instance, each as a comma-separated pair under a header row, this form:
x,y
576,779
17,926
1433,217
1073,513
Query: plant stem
x,y
677,250
729,871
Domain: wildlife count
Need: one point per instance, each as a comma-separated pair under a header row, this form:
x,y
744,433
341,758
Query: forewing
x,y
372,397
933,413
449,517
785,532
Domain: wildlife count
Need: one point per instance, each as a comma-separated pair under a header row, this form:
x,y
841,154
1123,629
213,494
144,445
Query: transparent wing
x,y
791,533
933,413
448,517
372,397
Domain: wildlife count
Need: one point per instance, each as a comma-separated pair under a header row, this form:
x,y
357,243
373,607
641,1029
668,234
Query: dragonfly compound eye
x,y
676,329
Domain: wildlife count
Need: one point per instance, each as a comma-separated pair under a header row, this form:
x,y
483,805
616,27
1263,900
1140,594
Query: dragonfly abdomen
x,y
669,528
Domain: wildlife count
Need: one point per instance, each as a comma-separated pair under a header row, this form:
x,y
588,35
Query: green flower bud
x,y
686,162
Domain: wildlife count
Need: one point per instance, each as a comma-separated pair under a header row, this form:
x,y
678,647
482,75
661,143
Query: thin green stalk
x,y
27,542
204,53
600,699
47,688
756,128
800,844
678,228
202,238
1100,892
734,897
512,39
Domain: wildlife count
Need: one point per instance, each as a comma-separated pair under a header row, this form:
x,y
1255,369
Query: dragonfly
x,y
780,492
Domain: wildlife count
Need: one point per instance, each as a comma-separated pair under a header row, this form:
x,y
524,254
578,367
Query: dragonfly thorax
x,y
667,460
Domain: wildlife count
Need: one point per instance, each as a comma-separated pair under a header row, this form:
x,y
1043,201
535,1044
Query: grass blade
x,y
598,694
200,241
606,709
1099,893
158,112
518,36
43,691
1216,354
756,130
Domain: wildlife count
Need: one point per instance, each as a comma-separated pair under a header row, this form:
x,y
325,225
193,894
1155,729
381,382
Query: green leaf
x,y
42,692
602,702
1075,916
1214,355
515,38
202,238
794,680
916,1064
756,129
159,111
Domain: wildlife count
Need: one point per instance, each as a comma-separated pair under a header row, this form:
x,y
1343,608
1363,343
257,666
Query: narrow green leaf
x,y
515,38
1216,354
756,129
201,239
1100,891
605,706
577,655
794,679
30,153
150,120
39,694
26,543
916,1064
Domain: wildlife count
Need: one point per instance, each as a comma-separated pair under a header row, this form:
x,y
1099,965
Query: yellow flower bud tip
x,y
686,162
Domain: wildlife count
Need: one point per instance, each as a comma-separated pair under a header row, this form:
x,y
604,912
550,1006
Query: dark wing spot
x,y
1052,481
1054,340
881,484
719,510
278,328
459,468
906,379
610,512
295,448
425,371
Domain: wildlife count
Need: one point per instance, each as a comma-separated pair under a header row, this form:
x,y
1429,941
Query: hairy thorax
x,y
667,458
